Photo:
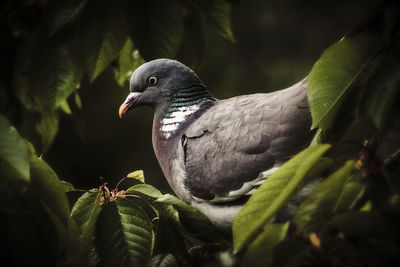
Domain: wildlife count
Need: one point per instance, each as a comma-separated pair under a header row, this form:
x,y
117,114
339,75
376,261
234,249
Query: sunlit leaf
x,y
13,152
64,106
68,187
273,193
332,76
322,201
78,101
144,190
128,60
138,175
260,251
124,235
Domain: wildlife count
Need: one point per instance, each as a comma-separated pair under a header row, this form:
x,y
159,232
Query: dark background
x,y
277,43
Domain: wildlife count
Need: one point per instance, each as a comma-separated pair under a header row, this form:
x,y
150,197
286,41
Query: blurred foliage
x,y
58,56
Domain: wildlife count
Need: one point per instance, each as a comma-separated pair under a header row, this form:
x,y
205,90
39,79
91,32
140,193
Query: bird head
x,y
156,82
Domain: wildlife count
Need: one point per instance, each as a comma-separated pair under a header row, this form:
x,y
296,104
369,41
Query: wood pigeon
x,y
215,153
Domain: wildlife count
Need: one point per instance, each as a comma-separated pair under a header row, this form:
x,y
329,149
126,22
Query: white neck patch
x,y
171,123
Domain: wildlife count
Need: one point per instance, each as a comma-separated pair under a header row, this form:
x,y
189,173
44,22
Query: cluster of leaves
x,y
351,217
139,226
106,227
52,50
74,41
342,192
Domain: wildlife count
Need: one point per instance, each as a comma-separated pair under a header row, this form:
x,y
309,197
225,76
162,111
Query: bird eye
x,y
152,80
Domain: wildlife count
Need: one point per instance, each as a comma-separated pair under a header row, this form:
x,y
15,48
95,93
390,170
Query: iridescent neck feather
x,y
187,104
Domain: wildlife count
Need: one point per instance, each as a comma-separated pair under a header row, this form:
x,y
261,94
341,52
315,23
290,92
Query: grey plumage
x,y
238,138
215,153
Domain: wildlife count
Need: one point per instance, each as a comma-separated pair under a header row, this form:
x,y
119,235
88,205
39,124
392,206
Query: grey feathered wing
x,y
238,138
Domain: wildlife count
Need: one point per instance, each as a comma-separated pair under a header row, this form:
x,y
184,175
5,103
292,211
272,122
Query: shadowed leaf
x,y
64,12
99,42
85,213
260,251
47,127
46,73
47,187
124,235
157,27
218,13
384,87
163,260
364,224
323,200
192,220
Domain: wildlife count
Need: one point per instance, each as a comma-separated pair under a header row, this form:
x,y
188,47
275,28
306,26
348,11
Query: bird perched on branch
x,y
215,153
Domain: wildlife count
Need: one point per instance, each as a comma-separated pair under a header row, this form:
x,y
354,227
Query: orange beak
x,y
128,103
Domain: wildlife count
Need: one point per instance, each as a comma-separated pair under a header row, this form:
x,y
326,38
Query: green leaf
x,y
332,76
323,200
157,27
47,127
125,60
63,13
192,220
273,193
46,73
78,101
218,12
383,86
260,251
352,192
124,235
144,190
129,59
138,175
99,41
64,106
47,187
85,213
68,187
193,49
382,106
166,24
13,152
163,260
